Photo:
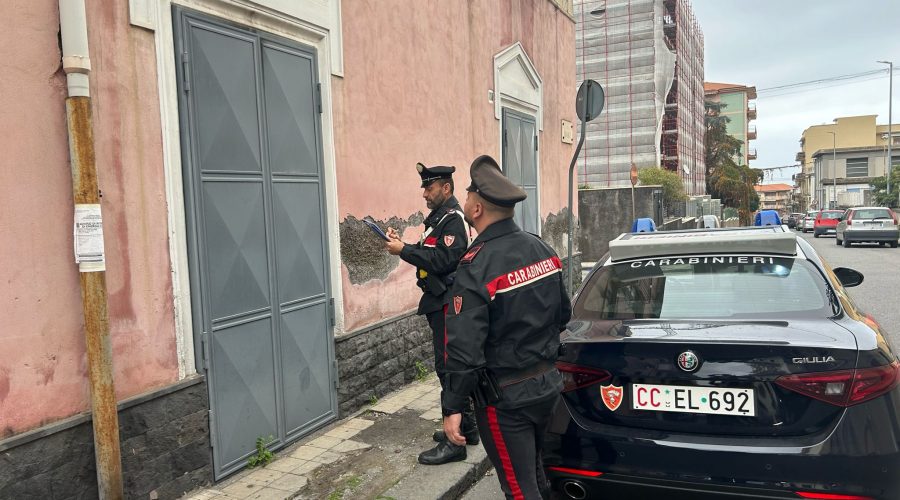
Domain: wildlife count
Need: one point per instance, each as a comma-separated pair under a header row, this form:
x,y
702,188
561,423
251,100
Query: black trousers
x,y
439,338
513,441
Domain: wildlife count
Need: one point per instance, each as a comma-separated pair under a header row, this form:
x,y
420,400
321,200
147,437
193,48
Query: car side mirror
x,y
848,277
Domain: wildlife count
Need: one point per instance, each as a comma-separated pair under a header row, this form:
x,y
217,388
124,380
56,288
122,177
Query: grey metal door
x,y
520,164
252,162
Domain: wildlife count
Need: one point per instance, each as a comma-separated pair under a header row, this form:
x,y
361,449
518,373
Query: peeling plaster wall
x,y
362,251
555,231
43,369
415,88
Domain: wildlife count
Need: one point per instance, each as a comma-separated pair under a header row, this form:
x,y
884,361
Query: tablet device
x,y
377,230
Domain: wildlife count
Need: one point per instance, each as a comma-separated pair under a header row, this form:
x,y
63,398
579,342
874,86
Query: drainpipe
x,y
89,252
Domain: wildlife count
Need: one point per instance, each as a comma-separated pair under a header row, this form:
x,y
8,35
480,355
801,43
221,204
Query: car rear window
x,y
830,215
705,287
872,213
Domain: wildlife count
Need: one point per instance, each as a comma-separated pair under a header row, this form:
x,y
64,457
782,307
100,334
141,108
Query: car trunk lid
x,y
700,363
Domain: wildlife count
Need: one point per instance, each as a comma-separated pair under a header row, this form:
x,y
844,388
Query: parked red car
x,y
826,222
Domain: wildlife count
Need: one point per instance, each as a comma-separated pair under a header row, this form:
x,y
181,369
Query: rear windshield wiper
x,y
881,217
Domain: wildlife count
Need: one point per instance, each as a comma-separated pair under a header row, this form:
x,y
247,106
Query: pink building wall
x,y
415,88
43,366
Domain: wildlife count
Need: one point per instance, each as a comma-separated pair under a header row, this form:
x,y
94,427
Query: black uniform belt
x,y
521,376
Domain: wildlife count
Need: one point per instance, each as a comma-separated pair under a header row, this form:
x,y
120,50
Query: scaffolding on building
x,y
648,55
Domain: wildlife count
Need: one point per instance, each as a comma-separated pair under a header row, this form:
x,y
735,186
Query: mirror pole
x,y
571,208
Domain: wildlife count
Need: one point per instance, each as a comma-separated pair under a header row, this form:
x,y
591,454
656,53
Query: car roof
x,y
868,208
775,240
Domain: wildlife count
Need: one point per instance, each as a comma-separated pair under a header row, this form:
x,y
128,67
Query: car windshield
x,y
831,215
726,287
872,213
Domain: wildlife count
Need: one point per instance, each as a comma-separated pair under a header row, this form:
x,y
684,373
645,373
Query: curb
x,y
441,482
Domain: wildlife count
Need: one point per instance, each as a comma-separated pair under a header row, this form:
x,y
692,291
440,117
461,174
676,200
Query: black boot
x,y
444,452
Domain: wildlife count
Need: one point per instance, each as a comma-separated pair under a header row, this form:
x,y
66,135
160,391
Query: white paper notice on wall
x,y
89,253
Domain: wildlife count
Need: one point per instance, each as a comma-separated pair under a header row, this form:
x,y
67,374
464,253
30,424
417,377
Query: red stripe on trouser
x,y
504,454
445,336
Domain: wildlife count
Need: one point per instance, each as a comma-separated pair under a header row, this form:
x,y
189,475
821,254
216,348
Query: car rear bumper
x,y
625,486
852,458
874,235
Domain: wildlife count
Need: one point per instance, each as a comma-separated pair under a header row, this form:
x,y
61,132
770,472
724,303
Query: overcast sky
x,y
768,43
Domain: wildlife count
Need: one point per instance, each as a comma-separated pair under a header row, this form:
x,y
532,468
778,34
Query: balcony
x,y
751,132
751,154
751,111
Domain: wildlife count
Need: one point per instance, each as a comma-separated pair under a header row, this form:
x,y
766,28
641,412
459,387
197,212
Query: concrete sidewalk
x,y
370,455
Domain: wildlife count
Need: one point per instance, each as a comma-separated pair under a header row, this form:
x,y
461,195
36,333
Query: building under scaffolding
x,y
648,55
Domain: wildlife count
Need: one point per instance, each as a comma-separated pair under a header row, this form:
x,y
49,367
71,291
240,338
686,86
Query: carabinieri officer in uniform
x,y
507,308
435,257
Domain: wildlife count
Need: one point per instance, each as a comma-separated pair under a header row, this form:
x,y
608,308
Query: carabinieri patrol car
x,y
723,363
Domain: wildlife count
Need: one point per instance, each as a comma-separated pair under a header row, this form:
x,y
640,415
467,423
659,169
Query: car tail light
x,y
870,321
850,218
894,216
844,388
577,472
576,376
830,496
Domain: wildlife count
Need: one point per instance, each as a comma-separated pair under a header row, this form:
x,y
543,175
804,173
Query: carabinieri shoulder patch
x,y
470,255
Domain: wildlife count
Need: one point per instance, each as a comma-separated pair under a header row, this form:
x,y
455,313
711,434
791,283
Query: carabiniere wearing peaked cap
x,y
490,183
432,174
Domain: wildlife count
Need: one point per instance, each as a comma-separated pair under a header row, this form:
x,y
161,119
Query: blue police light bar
x,y
770,240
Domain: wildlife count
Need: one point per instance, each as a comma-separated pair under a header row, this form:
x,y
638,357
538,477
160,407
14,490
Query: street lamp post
x,y
833,169
890,119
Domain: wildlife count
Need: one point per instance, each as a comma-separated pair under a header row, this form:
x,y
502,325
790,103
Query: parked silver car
x,y
809,223
868,224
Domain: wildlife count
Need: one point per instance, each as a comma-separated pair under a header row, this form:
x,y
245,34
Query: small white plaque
x,y
142,13
568,132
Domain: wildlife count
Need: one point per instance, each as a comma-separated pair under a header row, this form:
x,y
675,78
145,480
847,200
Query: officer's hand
x,y
392,234
451,429
394,246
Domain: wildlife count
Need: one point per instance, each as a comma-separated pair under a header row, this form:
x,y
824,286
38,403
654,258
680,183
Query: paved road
x,y
879,294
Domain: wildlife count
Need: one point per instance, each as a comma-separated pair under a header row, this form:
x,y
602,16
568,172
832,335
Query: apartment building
x,y
648,56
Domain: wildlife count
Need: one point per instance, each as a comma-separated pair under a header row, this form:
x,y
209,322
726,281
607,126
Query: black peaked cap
x,y
431,174
490,183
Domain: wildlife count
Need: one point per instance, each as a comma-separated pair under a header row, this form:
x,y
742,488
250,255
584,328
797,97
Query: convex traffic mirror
x,y
590,100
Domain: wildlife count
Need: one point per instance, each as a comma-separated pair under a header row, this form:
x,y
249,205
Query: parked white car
x,y
868,224
708,222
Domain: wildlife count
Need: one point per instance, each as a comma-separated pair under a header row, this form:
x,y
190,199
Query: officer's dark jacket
x,y
436,255
505,313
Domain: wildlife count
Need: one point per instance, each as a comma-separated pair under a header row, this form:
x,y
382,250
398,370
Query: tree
x,y
721,148
725,179
672,185
879,192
